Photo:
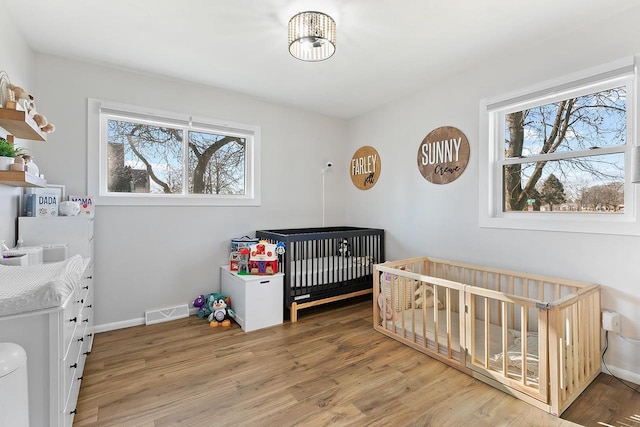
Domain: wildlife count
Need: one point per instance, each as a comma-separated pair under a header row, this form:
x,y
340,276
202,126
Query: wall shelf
x,y
19,124
21,179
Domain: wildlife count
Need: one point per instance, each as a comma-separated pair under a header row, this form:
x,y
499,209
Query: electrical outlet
x,y
611,321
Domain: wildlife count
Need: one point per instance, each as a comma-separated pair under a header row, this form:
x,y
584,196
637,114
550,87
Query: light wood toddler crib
x,y
534,337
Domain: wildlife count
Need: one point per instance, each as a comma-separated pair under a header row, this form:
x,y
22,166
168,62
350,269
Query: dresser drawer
x,y
71,318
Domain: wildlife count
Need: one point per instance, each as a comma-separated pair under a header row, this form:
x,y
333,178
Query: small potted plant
x,y
7,153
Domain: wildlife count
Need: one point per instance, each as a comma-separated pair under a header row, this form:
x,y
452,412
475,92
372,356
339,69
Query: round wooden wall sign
x,y
365,167
443,155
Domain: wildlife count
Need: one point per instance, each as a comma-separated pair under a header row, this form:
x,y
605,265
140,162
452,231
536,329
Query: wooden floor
x,y
329,368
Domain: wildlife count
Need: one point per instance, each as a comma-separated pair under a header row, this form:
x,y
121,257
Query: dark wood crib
x,y
326,264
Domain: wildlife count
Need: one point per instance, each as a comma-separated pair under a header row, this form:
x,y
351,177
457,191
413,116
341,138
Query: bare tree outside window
x,y
580,142
216,164
146,158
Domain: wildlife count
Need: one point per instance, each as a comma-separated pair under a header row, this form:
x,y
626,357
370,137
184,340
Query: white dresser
x,y
57,341
256,300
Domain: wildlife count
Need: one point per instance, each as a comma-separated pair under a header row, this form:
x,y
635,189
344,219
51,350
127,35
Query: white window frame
x,y
97,157
491,154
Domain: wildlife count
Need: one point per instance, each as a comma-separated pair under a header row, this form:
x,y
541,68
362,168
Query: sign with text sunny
x,y
443,155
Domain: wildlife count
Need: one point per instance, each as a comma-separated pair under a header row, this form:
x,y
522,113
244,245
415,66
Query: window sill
x,y
572,223
175,200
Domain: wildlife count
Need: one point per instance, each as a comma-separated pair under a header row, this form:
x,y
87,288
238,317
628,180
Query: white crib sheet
x,y
36,287
325,270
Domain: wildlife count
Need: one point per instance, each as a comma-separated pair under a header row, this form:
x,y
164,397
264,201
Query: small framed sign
x,y
365,167
42,202
87,205
443,155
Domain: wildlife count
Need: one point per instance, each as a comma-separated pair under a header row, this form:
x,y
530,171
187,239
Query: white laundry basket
x,y
14,396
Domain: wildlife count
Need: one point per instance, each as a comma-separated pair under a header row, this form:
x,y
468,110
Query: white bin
x,y
14,396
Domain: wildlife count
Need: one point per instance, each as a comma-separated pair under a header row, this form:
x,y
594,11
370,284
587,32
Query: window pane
x,y
216,164
143,158
586,122
581,184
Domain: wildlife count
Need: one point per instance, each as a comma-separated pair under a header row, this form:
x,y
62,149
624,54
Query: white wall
x,y
17,61
154,257
421,218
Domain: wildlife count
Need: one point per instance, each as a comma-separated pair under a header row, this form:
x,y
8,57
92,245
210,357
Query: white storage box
x,y
55,252
256,300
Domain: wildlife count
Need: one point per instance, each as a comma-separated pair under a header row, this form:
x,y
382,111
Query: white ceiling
x,y
385,49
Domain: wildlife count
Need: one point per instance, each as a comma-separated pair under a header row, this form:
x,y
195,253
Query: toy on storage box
x,y
239,261
263,259
242,242
234,261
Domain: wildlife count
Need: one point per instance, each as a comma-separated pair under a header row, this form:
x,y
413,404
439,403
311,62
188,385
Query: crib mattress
x,y
514,354
30,288
325,270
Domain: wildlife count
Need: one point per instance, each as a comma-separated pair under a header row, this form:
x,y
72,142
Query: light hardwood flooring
x,y
329,368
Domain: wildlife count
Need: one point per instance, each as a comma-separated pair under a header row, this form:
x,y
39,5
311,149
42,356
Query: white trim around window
x,y
97,157
491,155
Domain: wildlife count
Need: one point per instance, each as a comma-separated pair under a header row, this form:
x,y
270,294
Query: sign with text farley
x,y
365,167
443,155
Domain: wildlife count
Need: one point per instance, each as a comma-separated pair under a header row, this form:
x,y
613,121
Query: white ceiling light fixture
x,y
312,36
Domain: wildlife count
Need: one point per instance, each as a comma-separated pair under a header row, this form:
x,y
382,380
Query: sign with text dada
x,y
42,202
87,206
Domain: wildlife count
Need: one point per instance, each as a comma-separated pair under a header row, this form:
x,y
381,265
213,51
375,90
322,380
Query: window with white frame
x,y
557,157
153,157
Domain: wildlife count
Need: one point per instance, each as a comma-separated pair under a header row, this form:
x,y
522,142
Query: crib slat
x,y
449,325
582,339
436,326
576,344
471,337
486,332
524,330
568,342
513,308
505,345
424,323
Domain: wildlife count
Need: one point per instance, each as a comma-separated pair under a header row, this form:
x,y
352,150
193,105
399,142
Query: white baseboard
x,y
118,325
623,374
129,323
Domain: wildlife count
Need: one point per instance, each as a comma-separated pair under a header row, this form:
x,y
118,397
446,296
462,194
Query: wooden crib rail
x,y
419,277
574,334
492,310
568,300
561,317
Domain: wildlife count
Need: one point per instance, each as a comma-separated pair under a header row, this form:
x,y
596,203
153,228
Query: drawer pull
x,y
89,277
265,281
75,365
85,320
89,335
80,339
86,353
72,412
75,319
81,301
80,378
85,287
90,306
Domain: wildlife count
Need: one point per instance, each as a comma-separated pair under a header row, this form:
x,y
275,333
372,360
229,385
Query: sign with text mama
x,y
443,155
